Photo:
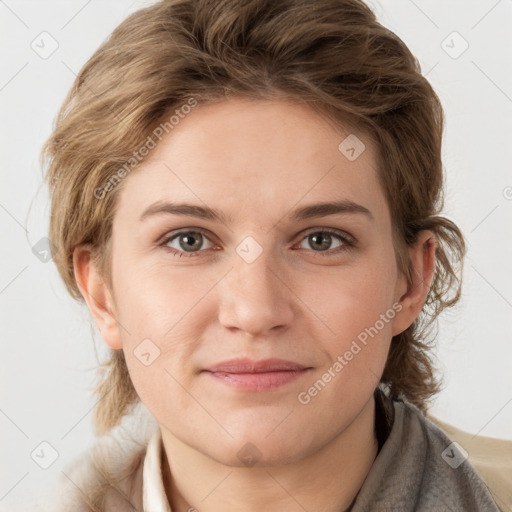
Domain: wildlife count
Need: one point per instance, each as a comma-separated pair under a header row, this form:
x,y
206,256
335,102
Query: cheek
x,y
350,299
359,313
357,307
156,314
154,300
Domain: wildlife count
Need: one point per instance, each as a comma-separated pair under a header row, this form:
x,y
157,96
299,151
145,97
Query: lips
x,y
252,375
252,366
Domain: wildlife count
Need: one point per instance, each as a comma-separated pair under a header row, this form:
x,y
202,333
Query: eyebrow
x,y
306,212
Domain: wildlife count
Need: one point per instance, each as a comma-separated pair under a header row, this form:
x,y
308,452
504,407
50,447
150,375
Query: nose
x,y
257,297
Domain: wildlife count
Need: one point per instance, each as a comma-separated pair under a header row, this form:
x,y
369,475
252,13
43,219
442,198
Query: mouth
x,y
251,375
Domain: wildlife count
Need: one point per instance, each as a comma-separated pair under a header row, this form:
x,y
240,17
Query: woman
x,y
247,196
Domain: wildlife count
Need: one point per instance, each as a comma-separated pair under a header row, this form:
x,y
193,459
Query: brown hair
x,y
332,55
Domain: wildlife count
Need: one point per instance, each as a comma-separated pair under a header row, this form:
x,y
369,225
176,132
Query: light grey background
x,y
47,349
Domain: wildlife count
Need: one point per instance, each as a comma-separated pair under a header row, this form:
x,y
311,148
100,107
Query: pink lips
x,y
251,375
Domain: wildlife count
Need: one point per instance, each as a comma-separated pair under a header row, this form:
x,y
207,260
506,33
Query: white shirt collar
x,y
154,498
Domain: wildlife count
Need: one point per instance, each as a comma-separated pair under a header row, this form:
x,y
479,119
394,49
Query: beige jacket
x,y
491,457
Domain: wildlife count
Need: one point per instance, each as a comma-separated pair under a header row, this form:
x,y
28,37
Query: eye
x,y
185,243
321,241
189,243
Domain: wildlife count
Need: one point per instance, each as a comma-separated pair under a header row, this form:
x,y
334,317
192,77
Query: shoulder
x,y
447,478
108,476
491,458
419,468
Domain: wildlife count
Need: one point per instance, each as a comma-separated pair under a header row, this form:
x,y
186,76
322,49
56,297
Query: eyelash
x,y
348,242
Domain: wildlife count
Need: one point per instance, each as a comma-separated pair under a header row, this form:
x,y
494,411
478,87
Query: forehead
x,y
256,158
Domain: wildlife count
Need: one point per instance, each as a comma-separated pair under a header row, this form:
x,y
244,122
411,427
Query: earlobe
x,y
97,295
422,258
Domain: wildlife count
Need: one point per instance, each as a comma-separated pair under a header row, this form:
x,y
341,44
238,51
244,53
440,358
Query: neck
x,y
328,480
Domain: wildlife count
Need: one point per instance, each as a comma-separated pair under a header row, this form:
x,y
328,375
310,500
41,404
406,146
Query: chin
x,y
260,449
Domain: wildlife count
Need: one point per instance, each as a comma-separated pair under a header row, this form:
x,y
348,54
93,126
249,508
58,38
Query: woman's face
x,y
249,273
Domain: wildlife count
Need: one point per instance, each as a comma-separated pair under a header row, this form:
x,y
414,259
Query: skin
x,y
256,162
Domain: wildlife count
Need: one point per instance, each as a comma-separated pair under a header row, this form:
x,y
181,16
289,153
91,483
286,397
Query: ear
x,y
96,293
422,256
